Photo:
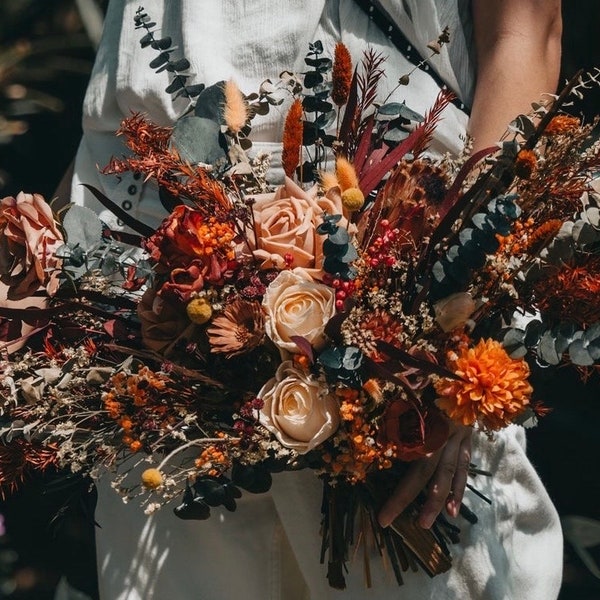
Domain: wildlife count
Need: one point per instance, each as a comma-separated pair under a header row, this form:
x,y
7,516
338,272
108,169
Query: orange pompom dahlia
x,y
492,390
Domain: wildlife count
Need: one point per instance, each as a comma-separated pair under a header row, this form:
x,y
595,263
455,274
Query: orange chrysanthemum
x,y
492,390
561,124
292,138
341,75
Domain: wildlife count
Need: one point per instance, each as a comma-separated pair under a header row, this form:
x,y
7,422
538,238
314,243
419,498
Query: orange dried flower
x,y
341,75
292,138
493,388
562,124
543,234
570,292
525,164
238,329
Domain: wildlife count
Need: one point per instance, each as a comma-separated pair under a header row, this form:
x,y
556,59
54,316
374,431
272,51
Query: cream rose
x,y
285,223
298,409
295,305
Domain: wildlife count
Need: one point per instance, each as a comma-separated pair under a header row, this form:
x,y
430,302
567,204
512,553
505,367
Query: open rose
x,y
295,305
187,238
286,222
163,323
414,433
298,409
29,239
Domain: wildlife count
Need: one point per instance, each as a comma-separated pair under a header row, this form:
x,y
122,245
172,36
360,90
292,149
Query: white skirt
x,y
269,548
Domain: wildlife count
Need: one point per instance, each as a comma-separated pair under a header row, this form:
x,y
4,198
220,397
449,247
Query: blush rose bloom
x,y
29,239
286,221
295,305
298,409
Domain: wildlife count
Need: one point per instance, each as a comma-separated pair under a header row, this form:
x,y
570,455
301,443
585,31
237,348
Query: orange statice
x,y
491,388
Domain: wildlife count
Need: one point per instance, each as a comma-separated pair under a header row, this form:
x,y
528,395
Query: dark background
x,y
46,54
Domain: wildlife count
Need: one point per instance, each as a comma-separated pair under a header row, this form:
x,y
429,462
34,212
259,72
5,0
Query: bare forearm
x,y
518,60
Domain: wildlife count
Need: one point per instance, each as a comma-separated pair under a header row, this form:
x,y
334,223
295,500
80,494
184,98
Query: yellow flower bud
x,y
199,311
353,199
152,478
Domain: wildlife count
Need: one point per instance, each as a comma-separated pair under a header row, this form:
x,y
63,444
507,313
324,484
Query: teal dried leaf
x,y
395,135
594,349
197,140
316,47
533,332
177,84
109,265
161,43
593,333
339,237
579,354
315,104
331,358
160,60
210,102
399,109
183,64
593,215
83,227
547,349
352,358
312,78
146,40
322,65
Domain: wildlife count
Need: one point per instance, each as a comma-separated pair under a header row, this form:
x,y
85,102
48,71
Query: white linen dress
x,y
269,548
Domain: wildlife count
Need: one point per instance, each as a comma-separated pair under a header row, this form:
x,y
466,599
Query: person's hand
x,y
443,475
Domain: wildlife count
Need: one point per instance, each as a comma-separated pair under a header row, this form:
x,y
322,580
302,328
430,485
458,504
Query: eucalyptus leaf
x,y
197,140
593,333
83,227
579,354
547,350
593,215
325,120
210,103
533,332
400,109
395,135
594,349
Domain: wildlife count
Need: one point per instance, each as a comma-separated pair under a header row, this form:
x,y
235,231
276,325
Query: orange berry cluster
x,y
361,451
214,459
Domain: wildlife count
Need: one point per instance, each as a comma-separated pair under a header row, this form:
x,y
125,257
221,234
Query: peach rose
x,y
295,305
298,409
29,239
286,222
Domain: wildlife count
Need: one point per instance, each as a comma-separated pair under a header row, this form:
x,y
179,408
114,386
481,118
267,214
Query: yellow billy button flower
x,y
199,311
152,478
353,199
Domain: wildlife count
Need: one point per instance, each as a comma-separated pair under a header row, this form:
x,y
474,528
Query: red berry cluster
x,y
381,251
343,288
